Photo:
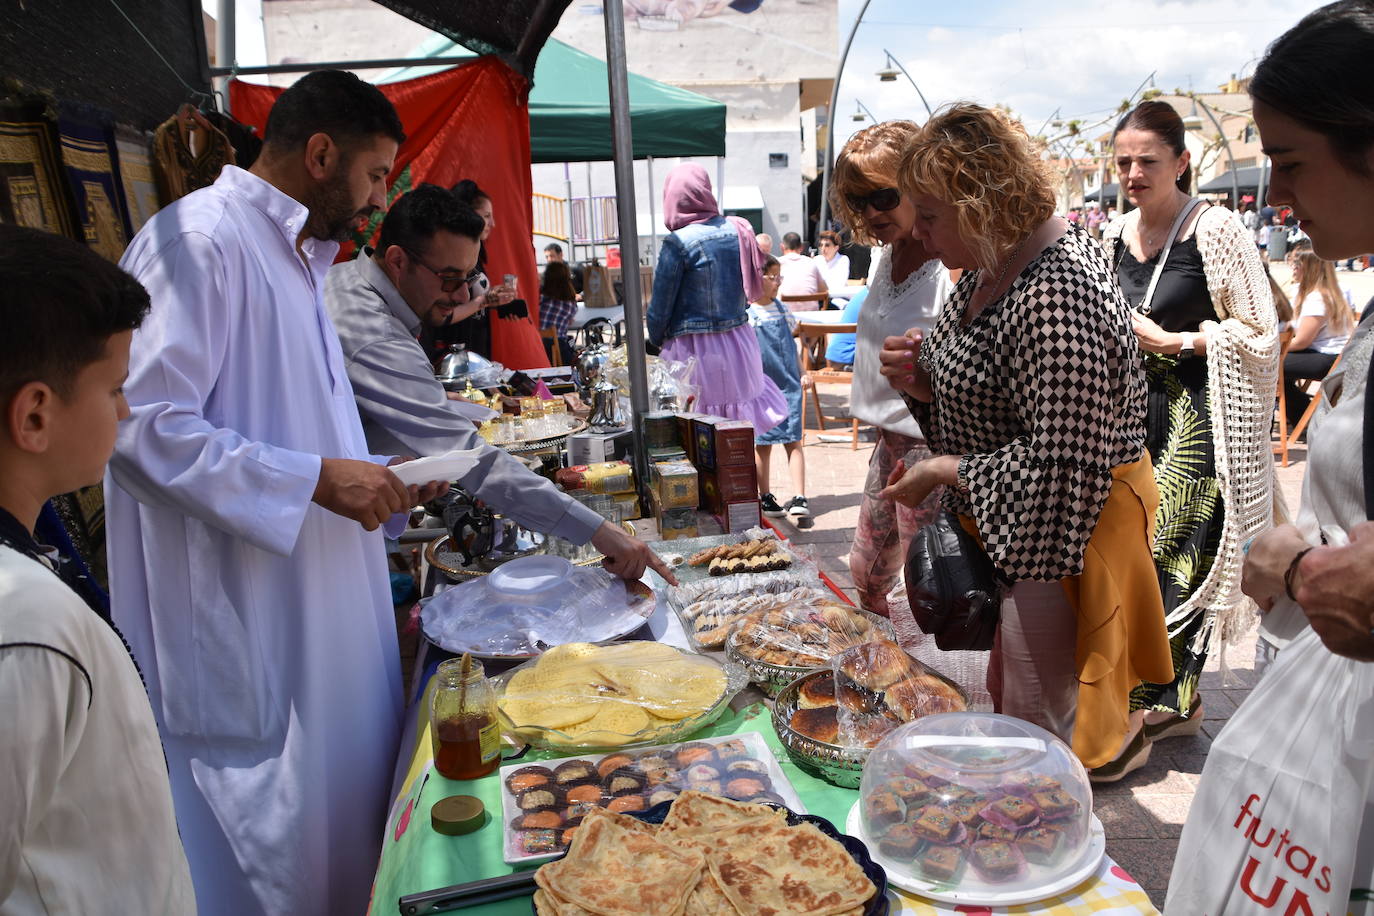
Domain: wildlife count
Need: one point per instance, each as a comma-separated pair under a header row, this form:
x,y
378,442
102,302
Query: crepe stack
x,y
711,857
608,695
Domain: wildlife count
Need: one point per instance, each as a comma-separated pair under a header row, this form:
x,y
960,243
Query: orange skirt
x,y
1122,639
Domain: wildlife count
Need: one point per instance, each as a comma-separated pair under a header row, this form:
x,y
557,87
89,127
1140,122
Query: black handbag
x,y
954,590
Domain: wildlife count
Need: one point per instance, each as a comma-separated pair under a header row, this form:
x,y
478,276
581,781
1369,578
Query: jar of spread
x,y
464,728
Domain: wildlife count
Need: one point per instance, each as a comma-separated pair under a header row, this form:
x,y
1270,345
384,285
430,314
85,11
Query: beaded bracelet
x,y
1293,570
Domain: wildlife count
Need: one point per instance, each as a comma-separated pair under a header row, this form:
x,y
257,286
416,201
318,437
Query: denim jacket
x,y
698,287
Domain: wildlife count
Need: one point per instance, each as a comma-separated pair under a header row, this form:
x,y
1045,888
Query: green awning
x,y
570,109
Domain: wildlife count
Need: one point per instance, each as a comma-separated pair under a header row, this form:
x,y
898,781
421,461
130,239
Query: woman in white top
x,y
834,267
1322,328
908,288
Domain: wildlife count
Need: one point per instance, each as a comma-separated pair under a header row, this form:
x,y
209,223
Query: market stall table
x,y
416,859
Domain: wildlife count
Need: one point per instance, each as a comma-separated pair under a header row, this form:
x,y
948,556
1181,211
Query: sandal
x,y
1128,761
1177,726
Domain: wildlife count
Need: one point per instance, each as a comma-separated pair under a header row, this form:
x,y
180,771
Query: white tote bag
x,y
1282,822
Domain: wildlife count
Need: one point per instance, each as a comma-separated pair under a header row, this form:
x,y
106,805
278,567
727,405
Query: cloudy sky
x,y
1037,56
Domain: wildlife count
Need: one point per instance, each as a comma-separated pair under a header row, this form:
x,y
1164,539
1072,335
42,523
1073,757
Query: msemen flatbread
x,y
767,869
693,812
612,869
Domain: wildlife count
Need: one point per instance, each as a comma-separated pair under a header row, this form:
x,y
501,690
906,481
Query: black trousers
x,y
1297,366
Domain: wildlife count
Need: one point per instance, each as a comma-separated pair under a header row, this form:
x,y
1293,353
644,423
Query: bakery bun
x,y
816,692
876,664
819,724
921,695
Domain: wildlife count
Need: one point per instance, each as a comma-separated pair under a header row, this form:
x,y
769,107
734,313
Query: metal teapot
x,y
606,413
486,538
590,368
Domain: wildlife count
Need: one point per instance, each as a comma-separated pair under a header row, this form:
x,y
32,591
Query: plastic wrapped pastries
x,y
878,687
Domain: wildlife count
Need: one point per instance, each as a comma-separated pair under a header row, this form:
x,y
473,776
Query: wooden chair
x,y
1280,448
1301,426
813,339
555,348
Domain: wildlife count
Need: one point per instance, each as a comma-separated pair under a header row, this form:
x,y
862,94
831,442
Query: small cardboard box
x,y
723,443
597,448
668,453
673,523
675,482
686,434
606,477
739,516
728,485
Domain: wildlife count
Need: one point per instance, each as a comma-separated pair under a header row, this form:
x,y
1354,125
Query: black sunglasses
x,y
449,281
882,200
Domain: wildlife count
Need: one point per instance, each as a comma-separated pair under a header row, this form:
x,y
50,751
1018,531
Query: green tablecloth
x,y
418,859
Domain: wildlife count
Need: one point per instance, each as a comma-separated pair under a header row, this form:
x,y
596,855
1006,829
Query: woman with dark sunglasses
x,y
906,289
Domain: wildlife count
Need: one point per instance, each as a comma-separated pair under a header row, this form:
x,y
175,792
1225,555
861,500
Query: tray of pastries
x,y
704,855
543,804
829,718
627,694
977,808
777,647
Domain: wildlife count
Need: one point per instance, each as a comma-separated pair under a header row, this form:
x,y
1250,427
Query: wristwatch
x,y
1185,349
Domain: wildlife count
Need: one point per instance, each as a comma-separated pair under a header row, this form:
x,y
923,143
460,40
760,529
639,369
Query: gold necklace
x,y
1147,242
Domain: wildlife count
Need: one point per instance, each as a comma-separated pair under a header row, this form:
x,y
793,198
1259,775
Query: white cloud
x,y
1036,57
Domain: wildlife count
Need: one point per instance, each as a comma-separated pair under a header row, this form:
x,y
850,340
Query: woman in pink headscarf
x,y
708,270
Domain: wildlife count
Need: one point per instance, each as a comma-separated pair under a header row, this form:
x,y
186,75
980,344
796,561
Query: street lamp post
x,y
889,75
1225,142
830,118
862,112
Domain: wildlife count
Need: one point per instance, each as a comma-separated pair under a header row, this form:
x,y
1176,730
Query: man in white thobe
x,y
245,564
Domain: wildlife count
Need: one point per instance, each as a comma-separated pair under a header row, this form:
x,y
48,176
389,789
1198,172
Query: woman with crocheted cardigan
x,y
1206,324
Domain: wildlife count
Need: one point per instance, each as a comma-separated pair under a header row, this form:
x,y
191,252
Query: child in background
x,y
774,325
88,824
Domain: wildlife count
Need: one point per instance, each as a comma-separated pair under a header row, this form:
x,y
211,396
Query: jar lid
x,y
457,815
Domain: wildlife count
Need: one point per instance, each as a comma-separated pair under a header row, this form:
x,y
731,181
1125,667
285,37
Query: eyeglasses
x,y
882,200
449,281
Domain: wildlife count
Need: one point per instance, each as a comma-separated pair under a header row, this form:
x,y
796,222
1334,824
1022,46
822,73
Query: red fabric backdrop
x,y
467,122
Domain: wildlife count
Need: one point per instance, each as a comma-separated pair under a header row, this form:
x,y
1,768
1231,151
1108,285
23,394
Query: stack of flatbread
x,y
608,695
711,857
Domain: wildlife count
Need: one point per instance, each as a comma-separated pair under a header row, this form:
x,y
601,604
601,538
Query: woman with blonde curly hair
x,y
907,288
1030,392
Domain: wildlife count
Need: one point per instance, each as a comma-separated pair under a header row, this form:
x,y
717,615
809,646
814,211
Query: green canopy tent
x,y
570,109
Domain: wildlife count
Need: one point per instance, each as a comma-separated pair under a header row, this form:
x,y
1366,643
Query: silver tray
x,y
522,446
771,679
844,766
841,765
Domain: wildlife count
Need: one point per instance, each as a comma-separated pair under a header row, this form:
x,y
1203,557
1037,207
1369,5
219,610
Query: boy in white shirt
x,y
86,822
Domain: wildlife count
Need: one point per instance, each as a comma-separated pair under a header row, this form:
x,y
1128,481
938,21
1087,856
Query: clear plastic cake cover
x,y
988,806
531,604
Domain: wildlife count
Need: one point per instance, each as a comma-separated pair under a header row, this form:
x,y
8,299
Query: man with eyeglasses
x,y
417,278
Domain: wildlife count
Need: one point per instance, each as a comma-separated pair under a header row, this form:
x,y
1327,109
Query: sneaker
x,y
770,506
800,512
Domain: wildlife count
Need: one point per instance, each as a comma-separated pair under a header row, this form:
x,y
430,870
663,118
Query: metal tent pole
x,y
623,147
226,31
653,217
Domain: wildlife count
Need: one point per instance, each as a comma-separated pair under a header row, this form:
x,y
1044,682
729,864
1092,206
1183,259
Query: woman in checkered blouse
x,y
1030,392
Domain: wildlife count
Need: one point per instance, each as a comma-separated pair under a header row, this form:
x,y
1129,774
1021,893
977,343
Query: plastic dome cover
x,y
977,802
